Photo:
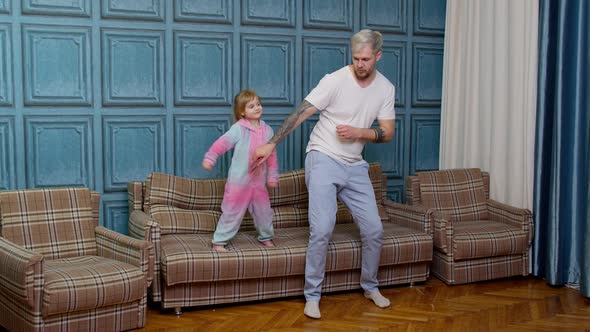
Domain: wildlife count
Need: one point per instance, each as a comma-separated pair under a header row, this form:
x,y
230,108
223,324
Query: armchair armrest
x,y
21,275
443,231
415,217
522,218
126,249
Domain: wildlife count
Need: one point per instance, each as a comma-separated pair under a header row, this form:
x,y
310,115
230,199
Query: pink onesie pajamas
x,y
244,188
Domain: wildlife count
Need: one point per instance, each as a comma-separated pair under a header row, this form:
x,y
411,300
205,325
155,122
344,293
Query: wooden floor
x,y
518,304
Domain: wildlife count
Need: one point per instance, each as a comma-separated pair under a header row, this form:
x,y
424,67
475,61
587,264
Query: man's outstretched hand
x,y
262,153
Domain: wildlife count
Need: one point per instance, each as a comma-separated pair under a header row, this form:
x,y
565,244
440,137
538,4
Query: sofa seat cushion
x,y
189,258
87,282
484,238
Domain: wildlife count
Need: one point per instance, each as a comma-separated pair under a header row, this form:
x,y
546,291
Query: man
x,y
350,99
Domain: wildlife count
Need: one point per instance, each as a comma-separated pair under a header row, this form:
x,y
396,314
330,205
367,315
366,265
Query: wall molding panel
x,y
133,72
133,9
393,65
199,82
7,157
384,15
328,14
274,78
5,6
133,148
60,151
212,11
58,63
322,56
269,12
194,135
391,163
427,87
115,212
5,65
57,7
426,138
429,17
100,93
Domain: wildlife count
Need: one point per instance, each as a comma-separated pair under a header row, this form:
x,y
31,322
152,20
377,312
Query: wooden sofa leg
x,y
178,311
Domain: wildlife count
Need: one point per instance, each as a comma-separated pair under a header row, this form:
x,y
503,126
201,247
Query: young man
x,y
350,99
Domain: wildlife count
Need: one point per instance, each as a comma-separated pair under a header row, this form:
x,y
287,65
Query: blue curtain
x,y
561,251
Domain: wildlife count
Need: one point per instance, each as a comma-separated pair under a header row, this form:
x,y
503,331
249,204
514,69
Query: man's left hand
x,y
348,132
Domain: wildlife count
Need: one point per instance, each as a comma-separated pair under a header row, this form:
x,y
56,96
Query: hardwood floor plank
x,y
515,304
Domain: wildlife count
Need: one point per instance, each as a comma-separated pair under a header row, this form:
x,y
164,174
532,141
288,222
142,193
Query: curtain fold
x,y
561,250
489,93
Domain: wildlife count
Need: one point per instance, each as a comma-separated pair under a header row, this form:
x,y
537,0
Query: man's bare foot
x,y
267,243
219,248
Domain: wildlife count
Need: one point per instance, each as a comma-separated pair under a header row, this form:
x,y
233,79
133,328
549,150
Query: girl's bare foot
x,y
267,243
219,248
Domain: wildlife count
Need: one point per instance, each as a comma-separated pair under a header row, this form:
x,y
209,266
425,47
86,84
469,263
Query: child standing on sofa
x,y
246,186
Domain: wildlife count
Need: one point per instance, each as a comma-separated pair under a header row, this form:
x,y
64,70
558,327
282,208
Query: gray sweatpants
x,y
326,179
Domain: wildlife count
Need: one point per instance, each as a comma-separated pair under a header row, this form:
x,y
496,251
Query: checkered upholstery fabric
x,y
475,238
60,271
182,205
188,258
188,271
460,193
82,283
56,223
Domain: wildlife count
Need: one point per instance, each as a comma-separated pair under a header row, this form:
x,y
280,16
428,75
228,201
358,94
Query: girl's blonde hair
x,y
240,101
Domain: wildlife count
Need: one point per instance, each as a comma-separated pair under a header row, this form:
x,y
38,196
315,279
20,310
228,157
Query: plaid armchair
x,y
61,271
475,238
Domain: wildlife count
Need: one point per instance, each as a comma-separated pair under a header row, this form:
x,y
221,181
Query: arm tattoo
x,y
379,135
290,122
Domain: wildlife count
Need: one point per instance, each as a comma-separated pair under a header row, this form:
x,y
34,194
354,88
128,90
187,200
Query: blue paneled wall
x,y
99,93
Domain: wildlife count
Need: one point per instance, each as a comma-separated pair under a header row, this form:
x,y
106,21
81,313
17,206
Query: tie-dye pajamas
x,y
245,189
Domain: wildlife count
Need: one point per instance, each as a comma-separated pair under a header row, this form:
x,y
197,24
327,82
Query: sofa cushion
x,y
184,193
484,238
291,190
56,223
289,216
173,219
458,192
189,258
81,283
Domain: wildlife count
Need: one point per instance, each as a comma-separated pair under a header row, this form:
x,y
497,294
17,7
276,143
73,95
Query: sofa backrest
x,y
462,193
56,223
413,188
183,205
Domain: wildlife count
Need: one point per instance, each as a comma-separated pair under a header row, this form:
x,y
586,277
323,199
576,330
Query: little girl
x,y
246,186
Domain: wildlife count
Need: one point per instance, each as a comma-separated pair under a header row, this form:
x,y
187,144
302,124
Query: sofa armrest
x,y
442,231
143,227
21,270
415,217
126,249
521,218
135,195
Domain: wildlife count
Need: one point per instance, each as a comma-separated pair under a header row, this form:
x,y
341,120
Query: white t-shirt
x,y
342,101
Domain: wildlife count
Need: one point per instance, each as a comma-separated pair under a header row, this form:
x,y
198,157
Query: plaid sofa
x,y
475,237
179,216
60,271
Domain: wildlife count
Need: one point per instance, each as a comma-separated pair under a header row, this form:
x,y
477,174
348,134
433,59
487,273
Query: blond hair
x,y
374,39
240,101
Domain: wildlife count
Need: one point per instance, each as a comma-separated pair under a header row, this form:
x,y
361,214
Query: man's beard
x,y
362,76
